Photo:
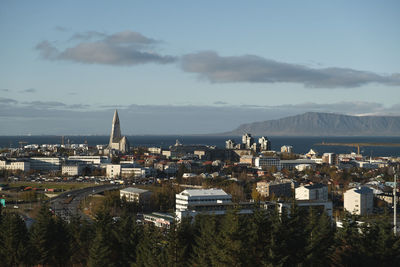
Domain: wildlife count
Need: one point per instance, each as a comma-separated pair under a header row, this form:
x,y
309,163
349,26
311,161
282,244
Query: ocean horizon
x,y
301,144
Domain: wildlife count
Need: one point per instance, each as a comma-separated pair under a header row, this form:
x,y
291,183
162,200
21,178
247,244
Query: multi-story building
x,y
191,202
330,158
72,170
277,189
45,164
127,170
265,144
15,165
133,194
247,140
286,149
291,164
113,170
155,150
230,144
96,160
267,162
312,192
359,200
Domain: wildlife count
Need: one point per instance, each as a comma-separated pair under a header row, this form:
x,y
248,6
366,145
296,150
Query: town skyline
x,y
227,63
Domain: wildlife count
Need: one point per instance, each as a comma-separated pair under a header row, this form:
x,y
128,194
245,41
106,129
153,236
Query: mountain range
x,y
323,124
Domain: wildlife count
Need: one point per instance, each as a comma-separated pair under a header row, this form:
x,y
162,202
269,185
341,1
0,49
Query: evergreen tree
x,y
49,239
277,251
101,253
81,233
203,254
128,234
150,248
259,233
227,244
320,239
179,243
348,240
104,248
379,245
13,241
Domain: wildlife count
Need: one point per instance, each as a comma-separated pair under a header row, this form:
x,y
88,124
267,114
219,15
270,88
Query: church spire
x,y
115,136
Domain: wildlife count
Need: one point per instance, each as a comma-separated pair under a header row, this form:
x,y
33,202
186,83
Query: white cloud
x,y
122,48
254,69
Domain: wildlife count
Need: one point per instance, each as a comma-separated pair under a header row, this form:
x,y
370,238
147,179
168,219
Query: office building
x,y
191,202
312,192
359,201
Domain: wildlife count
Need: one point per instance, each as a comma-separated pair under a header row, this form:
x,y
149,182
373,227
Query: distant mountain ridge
x,y
323,124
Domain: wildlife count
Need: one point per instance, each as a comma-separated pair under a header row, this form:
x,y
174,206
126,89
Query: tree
x,y
128,234
227,244
102,250
14,248
81,233
150,247
202,254
320,239
50,239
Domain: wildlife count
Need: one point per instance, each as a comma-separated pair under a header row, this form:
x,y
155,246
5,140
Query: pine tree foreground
x,y
264,238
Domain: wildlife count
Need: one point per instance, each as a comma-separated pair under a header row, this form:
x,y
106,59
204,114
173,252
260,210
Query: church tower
x,y
115,129
117,141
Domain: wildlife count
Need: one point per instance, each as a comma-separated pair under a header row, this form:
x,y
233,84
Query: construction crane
x,y
358,145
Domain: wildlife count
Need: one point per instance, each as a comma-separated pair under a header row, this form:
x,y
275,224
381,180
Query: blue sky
x,y
192,67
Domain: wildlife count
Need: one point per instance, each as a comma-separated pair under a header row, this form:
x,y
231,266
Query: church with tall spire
x,y
117,141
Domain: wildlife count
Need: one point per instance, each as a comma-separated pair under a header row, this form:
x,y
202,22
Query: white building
x,y
133,194
72,170
97,160
330,158
45,164
265,144
155,150
359,200
113,170
14,165
312,192
286,149
128,170
191,202
230,144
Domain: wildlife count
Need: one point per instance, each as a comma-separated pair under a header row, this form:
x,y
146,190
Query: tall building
x,y
247,140
359,200
117,141
265,144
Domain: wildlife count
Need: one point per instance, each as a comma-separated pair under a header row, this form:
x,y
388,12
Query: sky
x,y
192,67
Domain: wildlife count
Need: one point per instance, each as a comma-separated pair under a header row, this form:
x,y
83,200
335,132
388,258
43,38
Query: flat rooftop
x,y
204,192
133,190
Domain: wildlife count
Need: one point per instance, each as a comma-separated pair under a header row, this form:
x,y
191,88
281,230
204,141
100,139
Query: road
x,y
66,204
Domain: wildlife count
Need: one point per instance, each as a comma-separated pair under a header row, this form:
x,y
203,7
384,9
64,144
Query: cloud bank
x,y
119,49
254,69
